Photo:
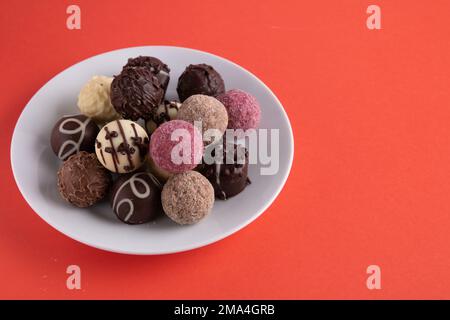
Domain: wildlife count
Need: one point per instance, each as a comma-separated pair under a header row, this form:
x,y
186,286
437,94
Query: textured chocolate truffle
x,y
199,79
243,109
136,197
136,93
94,100
227,172
72,134
156,66
166,111
82,180
122,146
206,110
187,197
176,146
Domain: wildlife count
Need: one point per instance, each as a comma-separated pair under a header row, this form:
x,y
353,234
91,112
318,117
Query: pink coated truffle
x,y
188,138
243,109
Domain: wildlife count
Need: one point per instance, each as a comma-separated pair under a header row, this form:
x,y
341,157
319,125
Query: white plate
x,y
34,164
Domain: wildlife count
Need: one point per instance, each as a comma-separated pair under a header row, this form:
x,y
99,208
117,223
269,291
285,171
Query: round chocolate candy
x,y
72,134
136,197
136,93
228,171
83,181
122,146
156,66
166,111
199,79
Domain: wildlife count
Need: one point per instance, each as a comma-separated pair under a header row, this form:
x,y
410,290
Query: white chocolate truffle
x,y
94,100
122,146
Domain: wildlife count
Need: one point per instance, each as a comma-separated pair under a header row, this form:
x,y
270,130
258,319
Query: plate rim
x,y
195,245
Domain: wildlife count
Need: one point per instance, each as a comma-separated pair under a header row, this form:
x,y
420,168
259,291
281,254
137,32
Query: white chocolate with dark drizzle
x,y
122,146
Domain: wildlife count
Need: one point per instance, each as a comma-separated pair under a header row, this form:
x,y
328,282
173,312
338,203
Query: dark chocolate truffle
x,y
82,180
166,111
72,134
136,197
227,172
199,79
136,93
156,66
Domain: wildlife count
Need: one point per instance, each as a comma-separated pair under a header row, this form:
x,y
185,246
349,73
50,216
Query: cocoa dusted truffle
x,y
156,66
227,171
187,197
136,197
136,93
82,180
206,110
199,79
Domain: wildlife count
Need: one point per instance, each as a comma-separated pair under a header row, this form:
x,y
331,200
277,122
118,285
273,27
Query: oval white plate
x,y
34,164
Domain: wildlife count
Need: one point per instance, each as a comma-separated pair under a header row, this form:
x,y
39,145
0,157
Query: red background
x,y
370,181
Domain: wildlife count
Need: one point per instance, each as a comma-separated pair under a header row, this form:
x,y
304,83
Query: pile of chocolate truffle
x,y
121,144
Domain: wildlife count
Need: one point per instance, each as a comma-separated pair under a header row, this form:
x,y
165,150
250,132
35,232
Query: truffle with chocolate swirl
x,y
136,93
121,146
226,167
72,134
156,66
166,111
136,197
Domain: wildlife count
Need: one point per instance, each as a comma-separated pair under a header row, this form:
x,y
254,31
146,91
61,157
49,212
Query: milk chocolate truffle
x,y
72,134
82,180
166,111
228,171
121,146
136,197
94,100
156,66
136,93
207,111
187,197
199,79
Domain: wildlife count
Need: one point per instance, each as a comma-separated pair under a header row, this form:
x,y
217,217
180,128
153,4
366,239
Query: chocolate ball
x,y
206,110
72,134
136,197
136,93
122,146
187,197
82,180
166,111
156,66
227,171
199,79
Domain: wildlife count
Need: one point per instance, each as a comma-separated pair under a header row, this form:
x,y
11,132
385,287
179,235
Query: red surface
x,y
370,182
